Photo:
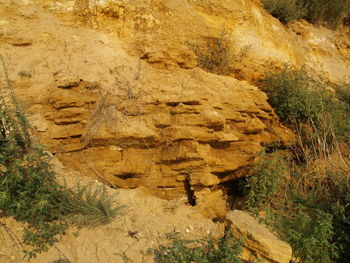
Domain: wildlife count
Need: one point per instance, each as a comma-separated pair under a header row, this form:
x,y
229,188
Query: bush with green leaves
x,y
309,211
320,119
285,10
226,250
293,95
331,13
343,94
310,233
316,220
265,181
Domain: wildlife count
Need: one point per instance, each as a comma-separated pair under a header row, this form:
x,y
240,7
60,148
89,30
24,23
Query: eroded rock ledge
x,y
179,140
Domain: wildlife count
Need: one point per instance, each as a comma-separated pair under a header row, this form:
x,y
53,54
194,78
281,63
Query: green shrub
x,y
343,94
312,211
285,10
265,181
318,117
310,237
308,210
340,210
328,193
331,13
181,250
293,95
29,192
307,207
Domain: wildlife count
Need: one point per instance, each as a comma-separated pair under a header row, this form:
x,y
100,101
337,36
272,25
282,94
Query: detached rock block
x,y
259,242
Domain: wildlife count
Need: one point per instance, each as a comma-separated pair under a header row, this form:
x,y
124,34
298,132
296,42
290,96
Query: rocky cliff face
x,y
116,93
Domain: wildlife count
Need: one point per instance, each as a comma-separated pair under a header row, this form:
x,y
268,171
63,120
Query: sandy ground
x,y
150,217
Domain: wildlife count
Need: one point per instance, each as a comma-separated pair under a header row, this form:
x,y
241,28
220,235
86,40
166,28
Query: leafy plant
x,y
318,117
28,190
343,94
294,95
331,13
265,180
311,237
311,209
308,210
322,197
181,250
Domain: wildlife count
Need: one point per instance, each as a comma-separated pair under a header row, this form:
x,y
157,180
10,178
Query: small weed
x,y
216,55
204,250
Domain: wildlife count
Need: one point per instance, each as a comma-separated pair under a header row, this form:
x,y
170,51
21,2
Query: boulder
x,y
259,242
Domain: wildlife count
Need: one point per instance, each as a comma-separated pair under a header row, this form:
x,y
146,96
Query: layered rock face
x,y
175,138
115,91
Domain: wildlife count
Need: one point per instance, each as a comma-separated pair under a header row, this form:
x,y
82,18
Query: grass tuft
x,y
89,206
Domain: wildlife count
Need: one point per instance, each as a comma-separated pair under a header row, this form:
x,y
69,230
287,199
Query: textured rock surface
x,y
259,242
158,31
107,114
116,93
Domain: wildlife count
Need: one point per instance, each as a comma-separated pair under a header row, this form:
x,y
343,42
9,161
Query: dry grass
x,y
217,54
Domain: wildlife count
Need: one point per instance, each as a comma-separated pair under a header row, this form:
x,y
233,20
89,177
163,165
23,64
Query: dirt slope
x,y
151,217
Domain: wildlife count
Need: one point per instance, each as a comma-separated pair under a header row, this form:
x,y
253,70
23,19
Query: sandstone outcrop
x,y
259,242
174,139
115,91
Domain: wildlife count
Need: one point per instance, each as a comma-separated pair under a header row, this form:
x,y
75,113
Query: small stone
x,y
24,74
